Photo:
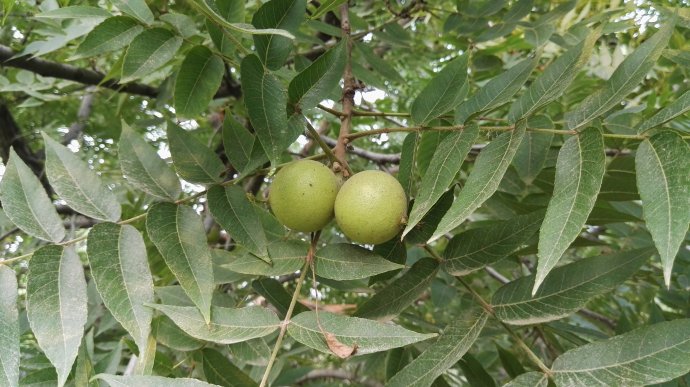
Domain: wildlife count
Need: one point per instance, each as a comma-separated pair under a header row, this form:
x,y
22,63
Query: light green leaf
x,y
77,184
485,178
315,82
266,100
193,161
448,349
668,113
179,235
369,336
211,13
441,172
680,57
150,381
231,209
26,203
243,150
644,356
567,289
479,247
623,81
9,328
219,370
286,256
325,7
148,51
75,12
529,379
120,269
7,6
227,325
135,8
390,301
287,15
579,173
497,91
197,81
443,93
533,151
555,79
56,305
663,179
342,261
112,34
144,169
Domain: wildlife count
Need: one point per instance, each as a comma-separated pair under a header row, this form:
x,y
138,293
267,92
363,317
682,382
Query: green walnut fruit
x,y
371,207
302,195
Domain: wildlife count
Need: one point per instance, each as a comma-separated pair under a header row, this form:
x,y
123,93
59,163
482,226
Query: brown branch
x,y
379,158
338,374
348,89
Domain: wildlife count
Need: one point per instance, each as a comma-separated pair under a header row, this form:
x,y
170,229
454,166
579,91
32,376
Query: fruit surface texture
x,y
302,195
371,207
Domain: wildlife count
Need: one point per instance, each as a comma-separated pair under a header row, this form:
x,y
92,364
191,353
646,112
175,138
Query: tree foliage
x,y
543,147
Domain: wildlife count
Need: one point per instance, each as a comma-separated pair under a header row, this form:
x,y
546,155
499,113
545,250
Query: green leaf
x,y
211,13
287,257
579,173
243,150
644,356
274,292
325,7
193,161
529,379
680,57
663,179
254,351
368,336
485,178
9,326
227,325
407,163
623,81
448,349
555,79
426,227
475,373
135,8
197,81
567,289
26,203
179,235
342,261
231,209
532,154
443,93
168,334
497,91
511,364
479,247
150,381
315,82
390,301
144,169
56,305
668,113
148,51
112,34
77,184
444,165
378,64
219,370
120,269
228,10
266,100
74,12
273,50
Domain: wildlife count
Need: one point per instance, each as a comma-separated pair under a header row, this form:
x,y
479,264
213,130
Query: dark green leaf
x,y
243,150
426,227
273,50
219,370
148,51
274,292
325,7
407,163
510,362
532,154
112,34
342,261
475,373
194,161
197,81
316,81
442,93
9,326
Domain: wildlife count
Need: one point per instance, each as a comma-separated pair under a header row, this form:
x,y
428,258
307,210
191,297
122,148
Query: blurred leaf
x,y
368,336
74,12
273,50
197,81
510,362
530,379
135,8
219,370
241,147
668,113
56,305
378,64
325,7
567,289
579,173
77,184
442,93
179,235
26,204
112,34
9,326
663,179
193,161
286,257
316,81
342,261
475,373
623,81
488,171
150,381
148,51
119,267
144,169
274,292
227,325
661,350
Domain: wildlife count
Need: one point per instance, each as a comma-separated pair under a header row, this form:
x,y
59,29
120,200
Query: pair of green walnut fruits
x,y
370,207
